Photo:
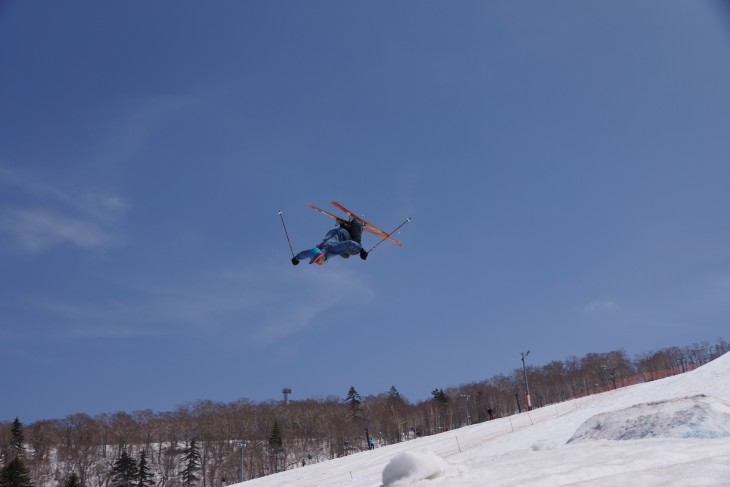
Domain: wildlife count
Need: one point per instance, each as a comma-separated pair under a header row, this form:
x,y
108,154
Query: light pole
x,y
466,403
527,387
242,445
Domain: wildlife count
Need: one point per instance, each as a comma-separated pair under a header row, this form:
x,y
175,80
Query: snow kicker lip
x,y
696,416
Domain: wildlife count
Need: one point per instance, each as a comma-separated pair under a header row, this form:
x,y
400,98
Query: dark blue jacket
x,y
336,242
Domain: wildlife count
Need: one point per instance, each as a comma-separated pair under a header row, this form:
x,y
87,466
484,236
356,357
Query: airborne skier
x,y
345,240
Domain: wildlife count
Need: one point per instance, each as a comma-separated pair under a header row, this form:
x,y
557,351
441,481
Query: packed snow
x,y
670,432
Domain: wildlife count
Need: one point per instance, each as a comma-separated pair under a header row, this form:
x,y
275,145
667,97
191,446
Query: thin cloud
x,y
38,215
323,291
37,230
600,305
42,216
134,123
235,304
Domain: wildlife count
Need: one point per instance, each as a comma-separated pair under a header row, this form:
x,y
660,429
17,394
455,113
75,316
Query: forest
x,y
210,444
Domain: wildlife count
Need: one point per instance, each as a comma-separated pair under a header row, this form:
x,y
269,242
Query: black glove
x,y
294,260
363,254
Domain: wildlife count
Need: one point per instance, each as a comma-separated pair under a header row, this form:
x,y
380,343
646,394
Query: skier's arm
x,y
304,254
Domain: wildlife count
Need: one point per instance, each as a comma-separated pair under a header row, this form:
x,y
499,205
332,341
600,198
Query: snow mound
x,y
697,416
413,466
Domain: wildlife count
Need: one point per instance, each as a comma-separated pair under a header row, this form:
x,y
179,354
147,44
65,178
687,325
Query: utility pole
x,y
242,445
466,402
527,387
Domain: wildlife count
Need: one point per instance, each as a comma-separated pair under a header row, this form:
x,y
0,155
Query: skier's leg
x,y
349,247
356,231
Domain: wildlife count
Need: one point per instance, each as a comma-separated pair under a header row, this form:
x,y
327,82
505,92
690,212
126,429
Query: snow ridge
x,y
697,416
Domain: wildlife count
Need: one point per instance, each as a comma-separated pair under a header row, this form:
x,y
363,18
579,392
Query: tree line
x,y
210,444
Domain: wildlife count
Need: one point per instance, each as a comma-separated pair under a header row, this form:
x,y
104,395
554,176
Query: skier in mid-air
x,y
344,240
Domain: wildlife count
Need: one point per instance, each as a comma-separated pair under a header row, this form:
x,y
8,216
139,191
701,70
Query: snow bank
x,y
696,416
413,466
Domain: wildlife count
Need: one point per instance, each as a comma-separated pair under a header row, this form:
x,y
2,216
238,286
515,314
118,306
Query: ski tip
x,y
279,212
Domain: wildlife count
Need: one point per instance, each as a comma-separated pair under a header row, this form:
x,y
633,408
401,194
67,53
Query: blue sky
x,y
565,165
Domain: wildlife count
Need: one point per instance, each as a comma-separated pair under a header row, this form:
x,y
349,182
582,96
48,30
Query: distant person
x,y
490,413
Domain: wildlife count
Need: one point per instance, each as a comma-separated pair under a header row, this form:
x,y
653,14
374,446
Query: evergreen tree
x,y
73,480
354,400
276,441
124,471
393,393
191,460
440,396
276,447
15,474
16,437
395,405
442,401
395,401
144,476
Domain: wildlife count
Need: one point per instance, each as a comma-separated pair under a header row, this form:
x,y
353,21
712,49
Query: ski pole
x,y
389,234
286,233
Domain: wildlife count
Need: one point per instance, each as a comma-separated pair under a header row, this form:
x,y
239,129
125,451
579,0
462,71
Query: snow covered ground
x,y
671,432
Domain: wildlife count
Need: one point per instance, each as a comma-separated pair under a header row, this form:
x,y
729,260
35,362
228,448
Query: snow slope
x,y
670,432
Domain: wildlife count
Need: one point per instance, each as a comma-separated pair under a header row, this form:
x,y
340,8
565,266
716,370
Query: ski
x,y
367,226
343,220
325,212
